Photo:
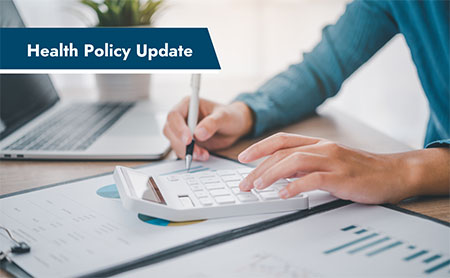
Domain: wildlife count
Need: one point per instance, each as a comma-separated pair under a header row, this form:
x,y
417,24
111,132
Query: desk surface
x,y
331,124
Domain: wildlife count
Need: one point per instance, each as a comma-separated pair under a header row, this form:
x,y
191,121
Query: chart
x,y
372,244
110,192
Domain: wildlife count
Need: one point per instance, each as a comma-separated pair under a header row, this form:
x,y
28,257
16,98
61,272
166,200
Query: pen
x,y
192,116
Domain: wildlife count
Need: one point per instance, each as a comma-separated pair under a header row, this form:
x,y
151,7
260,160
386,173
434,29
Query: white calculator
x,y
201,195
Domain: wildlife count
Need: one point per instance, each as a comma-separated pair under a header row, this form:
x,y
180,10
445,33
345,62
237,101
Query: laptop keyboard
x,y
72,129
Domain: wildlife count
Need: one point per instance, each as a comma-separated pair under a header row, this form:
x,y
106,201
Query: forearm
x,y
295,93
428,171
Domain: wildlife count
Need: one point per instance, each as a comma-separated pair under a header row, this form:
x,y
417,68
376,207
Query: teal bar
x,y
348,228
415,255
411,247
384,248
368,245
360,231
350,243
432,258
437,267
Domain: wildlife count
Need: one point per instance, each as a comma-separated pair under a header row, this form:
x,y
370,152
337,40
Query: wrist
x,y
427,171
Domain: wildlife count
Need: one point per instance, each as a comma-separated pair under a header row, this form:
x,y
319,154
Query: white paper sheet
x,y
81,227
381,243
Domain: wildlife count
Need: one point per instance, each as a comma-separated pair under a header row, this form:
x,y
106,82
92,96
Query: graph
x,y
370,244
163,222
195,169
110,192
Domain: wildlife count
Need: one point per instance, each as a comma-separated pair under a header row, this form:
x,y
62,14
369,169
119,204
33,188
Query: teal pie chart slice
x,y
110,192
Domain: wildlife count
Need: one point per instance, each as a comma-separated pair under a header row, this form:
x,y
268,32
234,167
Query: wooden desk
x,y
333,125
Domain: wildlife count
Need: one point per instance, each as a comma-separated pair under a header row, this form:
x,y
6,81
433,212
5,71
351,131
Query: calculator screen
x,y
153,193
144,187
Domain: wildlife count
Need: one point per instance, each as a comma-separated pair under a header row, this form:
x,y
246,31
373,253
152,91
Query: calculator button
x,y
231,178
244,170
247,197
224,199
233,183
214,186
225,172
191,181
218,192
267,189
186,202
209,180
201,194
206,176
172,178
236,190
244,175
269,195
206,201
196,187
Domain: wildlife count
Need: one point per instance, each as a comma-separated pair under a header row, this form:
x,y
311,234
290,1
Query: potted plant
x,y
123,13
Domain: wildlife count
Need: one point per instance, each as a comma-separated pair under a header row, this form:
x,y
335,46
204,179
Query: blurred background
x,y
255,39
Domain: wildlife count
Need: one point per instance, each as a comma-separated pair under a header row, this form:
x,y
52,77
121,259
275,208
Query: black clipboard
x,y
202,243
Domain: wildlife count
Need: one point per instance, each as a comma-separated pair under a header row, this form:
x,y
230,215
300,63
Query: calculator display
x,y
153,194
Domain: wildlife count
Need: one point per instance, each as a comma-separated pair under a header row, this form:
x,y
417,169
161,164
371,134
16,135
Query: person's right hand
x,y
219,126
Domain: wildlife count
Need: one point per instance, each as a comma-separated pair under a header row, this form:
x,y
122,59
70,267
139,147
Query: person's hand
x,y
344,172
219,126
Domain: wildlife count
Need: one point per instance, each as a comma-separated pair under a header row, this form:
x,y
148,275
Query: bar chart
x,y
371,243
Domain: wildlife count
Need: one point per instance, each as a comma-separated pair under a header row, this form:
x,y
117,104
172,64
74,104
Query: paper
x,y
351,241
81,227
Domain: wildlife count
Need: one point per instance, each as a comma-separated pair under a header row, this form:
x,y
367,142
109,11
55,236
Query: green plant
x,y
124,12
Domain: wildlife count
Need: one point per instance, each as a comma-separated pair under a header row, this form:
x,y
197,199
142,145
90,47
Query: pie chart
x,y
110,192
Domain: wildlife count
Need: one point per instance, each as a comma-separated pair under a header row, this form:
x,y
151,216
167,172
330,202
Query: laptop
x,y
35,124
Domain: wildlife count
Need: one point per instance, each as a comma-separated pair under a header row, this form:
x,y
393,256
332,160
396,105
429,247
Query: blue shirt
x,y
359,33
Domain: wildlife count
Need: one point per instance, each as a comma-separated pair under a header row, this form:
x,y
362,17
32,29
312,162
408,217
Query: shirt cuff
x,y
444,143
259,109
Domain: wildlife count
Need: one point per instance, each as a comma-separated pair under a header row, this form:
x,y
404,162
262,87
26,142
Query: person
x,y
292,95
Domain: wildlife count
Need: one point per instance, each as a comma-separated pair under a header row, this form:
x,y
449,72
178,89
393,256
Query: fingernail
x,y
284,193
201,133
258,183
242,156
195,156
245,185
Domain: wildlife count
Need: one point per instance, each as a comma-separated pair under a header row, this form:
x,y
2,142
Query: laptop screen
x,y
22,96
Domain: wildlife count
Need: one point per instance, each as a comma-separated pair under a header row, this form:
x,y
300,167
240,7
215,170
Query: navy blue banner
x,y
107,48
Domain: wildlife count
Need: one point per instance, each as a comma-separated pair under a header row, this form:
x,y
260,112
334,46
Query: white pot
x,y
123,87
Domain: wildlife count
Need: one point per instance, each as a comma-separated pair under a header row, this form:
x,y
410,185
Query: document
x,y
351,241
81,227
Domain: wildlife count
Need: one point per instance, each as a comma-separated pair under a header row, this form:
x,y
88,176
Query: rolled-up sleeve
x,y
295,93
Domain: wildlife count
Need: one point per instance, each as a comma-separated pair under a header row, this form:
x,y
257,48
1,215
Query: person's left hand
x,y
320,164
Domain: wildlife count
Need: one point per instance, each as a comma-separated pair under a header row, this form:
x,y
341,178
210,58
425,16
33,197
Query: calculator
x,y
202,195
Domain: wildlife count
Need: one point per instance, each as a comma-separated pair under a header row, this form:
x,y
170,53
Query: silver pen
x,y
192,116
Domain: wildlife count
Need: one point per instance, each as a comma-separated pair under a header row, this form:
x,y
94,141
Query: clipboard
x,y
201,243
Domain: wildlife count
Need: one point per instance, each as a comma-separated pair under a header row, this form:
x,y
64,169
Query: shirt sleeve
x,y
445,143
295,93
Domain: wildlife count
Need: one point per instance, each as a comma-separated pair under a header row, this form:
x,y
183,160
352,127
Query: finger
x,y
248,182
312,181
200,153
272,144
177,124
297,162
175,142
207,127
